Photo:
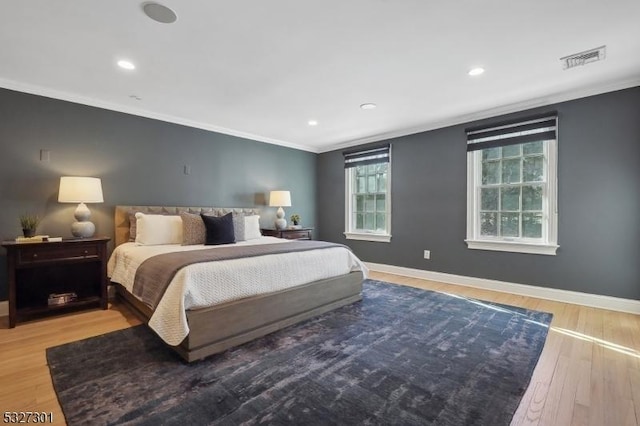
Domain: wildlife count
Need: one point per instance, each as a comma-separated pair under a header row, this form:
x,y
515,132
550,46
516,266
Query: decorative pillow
x,y
132,226
252,227
154,229
219,229
193,229
133,223
238,226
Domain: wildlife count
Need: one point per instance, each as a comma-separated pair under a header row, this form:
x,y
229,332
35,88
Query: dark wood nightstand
x,y
289,234
36,270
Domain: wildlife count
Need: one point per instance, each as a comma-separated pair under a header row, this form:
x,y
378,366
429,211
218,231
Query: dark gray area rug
x,y
400,356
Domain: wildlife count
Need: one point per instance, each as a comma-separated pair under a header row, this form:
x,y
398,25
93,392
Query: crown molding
x,y
556,98
85,100
433,125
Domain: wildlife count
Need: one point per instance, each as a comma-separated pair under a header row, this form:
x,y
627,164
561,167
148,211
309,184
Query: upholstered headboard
x,y
122,214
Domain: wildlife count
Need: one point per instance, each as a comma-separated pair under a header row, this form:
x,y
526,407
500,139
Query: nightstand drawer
x,y
43,253
296,235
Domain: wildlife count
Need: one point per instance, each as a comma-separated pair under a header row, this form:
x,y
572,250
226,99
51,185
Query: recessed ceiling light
x,y
312,123
126,65
368,106
476,71
159,13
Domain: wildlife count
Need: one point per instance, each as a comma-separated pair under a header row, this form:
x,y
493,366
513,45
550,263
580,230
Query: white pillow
x,y
252,227
154,229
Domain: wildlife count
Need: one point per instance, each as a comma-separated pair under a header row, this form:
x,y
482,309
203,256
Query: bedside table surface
x,y
12,243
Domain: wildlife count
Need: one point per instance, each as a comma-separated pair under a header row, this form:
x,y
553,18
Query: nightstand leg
x,y
12,290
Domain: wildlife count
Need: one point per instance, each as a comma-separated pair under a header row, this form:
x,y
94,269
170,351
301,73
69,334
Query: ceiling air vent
x,y
583,58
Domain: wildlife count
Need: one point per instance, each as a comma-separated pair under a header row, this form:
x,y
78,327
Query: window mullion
x,y
478,200
499,215
520,230
546,213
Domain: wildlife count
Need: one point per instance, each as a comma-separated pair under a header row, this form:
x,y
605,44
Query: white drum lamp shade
x,y
280,199
75,189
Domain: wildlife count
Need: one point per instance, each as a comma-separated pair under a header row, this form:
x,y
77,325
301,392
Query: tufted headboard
x,y
122,213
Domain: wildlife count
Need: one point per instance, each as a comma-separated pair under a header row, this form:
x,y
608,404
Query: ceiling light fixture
x,y
126,65
159,13
476,71
368,106
312,123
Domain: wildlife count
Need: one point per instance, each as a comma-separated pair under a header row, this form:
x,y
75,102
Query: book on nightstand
x,y
61,298
37,239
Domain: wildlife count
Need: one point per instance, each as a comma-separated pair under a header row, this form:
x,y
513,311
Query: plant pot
x,y
29,232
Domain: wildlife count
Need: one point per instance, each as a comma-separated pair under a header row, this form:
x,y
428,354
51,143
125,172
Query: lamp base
x,y
281,222
83,229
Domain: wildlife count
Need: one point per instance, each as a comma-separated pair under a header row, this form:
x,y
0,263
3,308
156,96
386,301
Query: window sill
x,y
514,247
361,236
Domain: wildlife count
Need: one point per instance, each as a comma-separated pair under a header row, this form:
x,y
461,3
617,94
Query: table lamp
x,y
280,199
75,189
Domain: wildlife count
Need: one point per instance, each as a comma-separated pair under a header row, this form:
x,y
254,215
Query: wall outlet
x,y
427,254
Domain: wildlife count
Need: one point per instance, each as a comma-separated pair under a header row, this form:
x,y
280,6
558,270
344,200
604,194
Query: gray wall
x,y
139,160
599,203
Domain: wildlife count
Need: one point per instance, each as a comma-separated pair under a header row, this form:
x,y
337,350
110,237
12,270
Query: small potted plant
x,y
29,223
295,219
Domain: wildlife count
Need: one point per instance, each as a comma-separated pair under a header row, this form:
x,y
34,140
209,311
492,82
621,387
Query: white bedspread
x,y
206,284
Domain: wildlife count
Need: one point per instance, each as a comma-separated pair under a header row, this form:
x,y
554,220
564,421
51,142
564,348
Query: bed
x,y
240,318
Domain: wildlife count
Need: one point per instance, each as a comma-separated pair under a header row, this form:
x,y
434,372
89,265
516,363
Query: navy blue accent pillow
x,y
219,229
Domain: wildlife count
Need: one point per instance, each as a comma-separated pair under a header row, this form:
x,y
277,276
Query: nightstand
x,y
36,270
289,234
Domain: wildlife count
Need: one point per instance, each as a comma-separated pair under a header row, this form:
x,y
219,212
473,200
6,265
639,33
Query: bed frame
x,y
220,327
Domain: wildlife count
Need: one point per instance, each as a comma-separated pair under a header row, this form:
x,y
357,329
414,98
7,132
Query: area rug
x,y
400,356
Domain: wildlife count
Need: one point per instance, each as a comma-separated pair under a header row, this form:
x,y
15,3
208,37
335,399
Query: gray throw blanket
x,y
154,274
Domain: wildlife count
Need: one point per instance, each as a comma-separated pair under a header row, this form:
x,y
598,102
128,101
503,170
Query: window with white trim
x,y
368,194
512,187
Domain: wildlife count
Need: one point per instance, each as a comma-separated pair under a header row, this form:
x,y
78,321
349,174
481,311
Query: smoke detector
x,y
583,58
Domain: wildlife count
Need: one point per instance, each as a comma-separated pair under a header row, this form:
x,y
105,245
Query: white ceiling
x,y
263,69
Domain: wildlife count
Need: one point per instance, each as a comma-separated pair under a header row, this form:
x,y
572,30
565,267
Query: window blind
x,y
373,155
534,129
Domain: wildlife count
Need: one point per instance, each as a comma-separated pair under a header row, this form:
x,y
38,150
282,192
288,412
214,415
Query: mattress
x,y
206,284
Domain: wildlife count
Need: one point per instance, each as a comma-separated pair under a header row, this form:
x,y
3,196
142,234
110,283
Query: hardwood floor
x,y
588,374
25,383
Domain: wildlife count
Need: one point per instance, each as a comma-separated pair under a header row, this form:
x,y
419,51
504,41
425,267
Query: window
x,y
512,187
368,194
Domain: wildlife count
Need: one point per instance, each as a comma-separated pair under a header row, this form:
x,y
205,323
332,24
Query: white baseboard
x,y
566,296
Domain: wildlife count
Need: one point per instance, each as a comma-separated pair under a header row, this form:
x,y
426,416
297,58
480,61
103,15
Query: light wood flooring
x,y
588,374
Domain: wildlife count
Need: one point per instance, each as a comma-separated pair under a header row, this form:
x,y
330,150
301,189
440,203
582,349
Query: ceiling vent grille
x,y
583,58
